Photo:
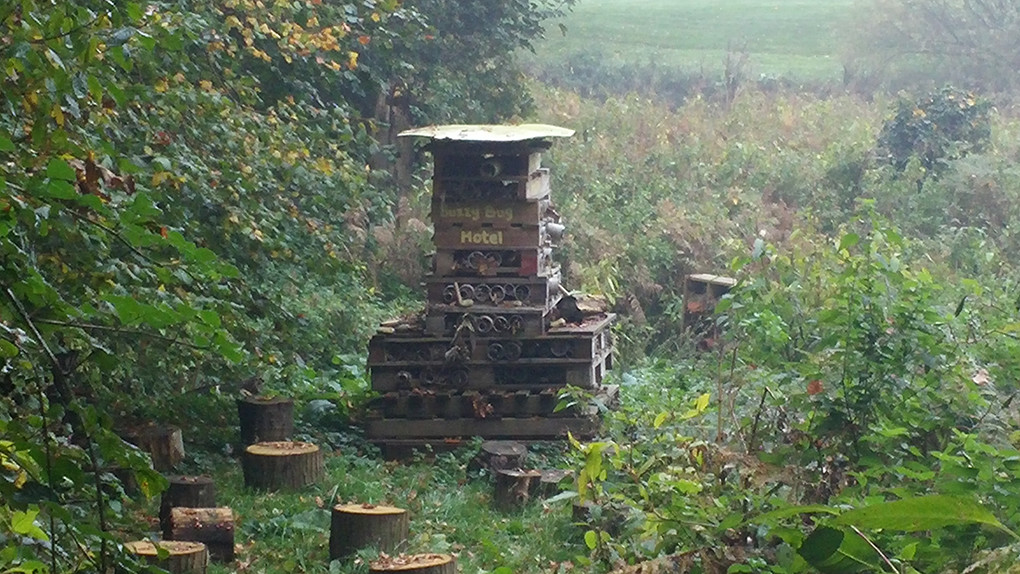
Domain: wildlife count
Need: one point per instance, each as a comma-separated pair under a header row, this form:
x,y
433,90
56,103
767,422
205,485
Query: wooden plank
x,y
486,237
535,186
492,428
499,214
516,323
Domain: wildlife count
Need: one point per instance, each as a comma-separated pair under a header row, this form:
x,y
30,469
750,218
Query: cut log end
x,y
281,448
421,563
182,557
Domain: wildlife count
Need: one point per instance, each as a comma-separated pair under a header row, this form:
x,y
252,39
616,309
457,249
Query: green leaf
x,y
659,419
848,241
7,349
23,522
834,551
59,169
922,513
6,144
591,539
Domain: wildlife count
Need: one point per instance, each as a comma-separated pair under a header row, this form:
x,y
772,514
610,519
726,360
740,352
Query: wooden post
x,y
184,557
357,526
189,491
513,487
265,419
276,465
500,454
212,526
416,563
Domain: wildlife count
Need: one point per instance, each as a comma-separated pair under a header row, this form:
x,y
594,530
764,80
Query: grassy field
x,y
792,38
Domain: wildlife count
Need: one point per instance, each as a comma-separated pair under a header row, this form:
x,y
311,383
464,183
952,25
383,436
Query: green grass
x,y
792,38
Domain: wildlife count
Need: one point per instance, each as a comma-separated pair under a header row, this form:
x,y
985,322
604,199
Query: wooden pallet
x,y
534,291
471,163
444,320
491,428
480,404
533,186
535,374
525,262
584,342
583,348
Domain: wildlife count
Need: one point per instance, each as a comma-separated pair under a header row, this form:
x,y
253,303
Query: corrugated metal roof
x,y
489,133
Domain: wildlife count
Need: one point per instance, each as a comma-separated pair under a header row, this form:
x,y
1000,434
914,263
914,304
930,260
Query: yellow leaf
x,y
352,60
205,85
58,115
375,16
161,85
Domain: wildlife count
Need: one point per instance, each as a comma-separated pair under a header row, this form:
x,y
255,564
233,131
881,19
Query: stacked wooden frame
x,y
490,356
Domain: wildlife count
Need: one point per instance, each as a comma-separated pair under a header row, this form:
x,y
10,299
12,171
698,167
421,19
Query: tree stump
x,y
420,563
165,444
212,526
549,483
184,558
513,487
265,419
188,491
500,454
276,465
357,526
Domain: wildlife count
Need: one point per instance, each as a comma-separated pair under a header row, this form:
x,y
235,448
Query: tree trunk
x,y
265,419
213,526
188,491
184,558
276,465
419,563
500,454
357,526
513,487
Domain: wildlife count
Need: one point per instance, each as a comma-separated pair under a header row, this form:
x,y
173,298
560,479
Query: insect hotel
x,y
500,337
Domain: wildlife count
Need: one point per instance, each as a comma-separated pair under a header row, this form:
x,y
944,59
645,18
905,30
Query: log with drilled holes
x,y
212,526
513,487
189,491
264,419
416,563
357,526
282,464
183,557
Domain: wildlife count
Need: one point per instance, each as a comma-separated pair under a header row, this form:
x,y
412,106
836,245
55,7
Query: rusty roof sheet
x,y
489,133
